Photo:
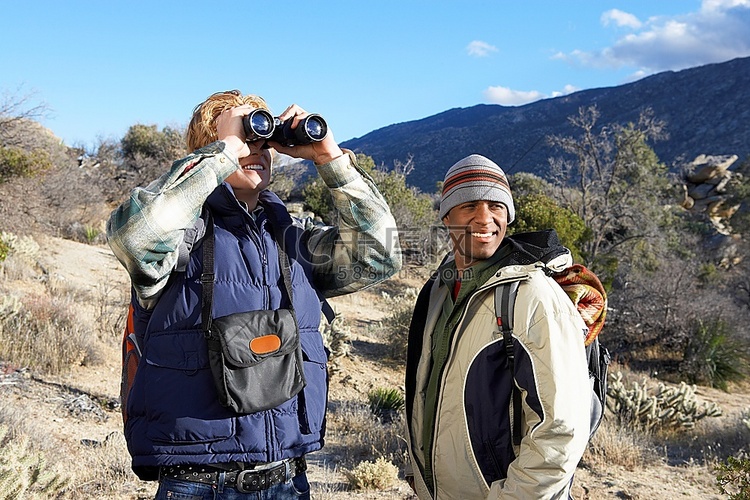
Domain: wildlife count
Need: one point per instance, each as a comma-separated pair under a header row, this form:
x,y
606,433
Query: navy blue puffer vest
x,y
174,416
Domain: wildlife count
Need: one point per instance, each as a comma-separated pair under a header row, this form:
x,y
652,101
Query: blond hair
x,y
202,129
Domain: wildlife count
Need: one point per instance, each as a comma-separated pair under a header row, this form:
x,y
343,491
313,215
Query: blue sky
x,y
102,66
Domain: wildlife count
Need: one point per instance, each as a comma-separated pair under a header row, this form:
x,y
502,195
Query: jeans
x,y
174,489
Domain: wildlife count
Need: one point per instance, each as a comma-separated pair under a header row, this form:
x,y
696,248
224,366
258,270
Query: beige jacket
x,y
551,372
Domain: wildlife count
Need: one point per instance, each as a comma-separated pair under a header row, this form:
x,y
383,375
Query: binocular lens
x,y
315,128
262,124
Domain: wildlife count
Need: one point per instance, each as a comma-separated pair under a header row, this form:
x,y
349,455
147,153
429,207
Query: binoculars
x,y
261,125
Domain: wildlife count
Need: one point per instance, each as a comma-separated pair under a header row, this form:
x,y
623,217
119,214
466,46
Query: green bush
x,y
714,355
733,478
15,162
148,141
318,200
4,250
385,402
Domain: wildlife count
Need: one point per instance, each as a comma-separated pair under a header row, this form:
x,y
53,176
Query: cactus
x,y
23,246
337,337
10,306
745,418
23,473
665,408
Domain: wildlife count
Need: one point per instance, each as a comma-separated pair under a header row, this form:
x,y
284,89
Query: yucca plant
x,y
385,403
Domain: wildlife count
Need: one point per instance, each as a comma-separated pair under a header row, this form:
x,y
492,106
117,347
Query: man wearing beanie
x,y
459,380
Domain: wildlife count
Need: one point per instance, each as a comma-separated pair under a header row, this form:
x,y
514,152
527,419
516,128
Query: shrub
x,y
84,233
318,200
714,356
535,212
733,478
378,475
4,250
617,445
45,333
385,403
146,140
395,326
15,162
363,436
24,247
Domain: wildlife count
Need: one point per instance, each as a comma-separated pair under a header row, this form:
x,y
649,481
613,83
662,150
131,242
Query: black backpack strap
x,y
505,301
192,236
208,276
327,310
282,222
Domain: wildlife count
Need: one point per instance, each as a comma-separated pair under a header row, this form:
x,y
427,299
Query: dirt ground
x,y
79,411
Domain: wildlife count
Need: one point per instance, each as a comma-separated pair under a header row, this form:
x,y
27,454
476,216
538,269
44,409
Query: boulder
x,y
707,167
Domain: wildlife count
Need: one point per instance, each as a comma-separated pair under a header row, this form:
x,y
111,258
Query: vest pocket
x,y
181,404
314,397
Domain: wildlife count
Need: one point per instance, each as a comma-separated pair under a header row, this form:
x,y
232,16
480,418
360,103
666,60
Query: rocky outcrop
x,y
705,187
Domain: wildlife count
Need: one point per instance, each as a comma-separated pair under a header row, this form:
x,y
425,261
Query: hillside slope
x,y
706,110
76,415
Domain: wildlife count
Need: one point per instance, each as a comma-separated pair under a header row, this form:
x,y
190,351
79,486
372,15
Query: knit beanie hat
x,y
476,178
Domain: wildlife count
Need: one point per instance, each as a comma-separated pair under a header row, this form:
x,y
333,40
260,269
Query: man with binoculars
x,y
178,428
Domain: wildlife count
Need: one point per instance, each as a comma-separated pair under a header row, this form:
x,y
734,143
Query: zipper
x,y
451,358
254,231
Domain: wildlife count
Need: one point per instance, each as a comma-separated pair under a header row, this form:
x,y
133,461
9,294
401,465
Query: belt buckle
x,y
240,481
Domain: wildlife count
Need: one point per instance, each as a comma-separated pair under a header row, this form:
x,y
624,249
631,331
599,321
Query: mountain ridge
x,y
706,110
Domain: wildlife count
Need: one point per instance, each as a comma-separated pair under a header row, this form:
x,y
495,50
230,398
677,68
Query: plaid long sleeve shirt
x,y
145,232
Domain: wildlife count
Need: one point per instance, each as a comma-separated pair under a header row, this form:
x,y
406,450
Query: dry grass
x,y
615,445
360,435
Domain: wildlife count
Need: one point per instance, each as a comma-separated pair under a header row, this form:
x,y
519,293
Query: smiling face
x,y
255,174
476,229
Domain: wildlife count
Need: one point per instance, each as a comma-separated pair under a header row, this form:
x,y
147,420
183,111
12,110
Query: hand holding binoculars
x,y
261,125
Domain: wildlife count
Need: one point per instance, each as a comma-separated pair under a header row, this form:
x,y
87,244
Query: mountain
x,y
706,110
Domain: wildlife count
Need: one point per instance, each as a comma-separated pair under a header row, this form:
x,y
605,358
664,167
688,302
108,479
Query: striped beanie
x,y
476,178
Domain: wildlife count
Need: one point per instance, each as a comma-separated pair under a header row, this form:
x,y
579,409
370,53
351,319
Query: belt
x,y
244,480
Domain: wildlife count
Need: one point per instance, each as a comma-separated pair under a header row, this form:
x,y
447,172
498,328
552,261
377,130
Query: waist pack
x,y
255,356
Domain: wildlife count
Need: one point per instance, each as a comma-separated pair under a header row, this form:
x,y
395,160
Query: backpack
x,y
589,296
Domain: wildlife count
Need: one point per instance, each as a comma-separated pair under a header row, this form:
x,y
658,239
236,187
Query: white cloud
x,y
718,5
477,48
719,31
568,89
620,18
510,97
